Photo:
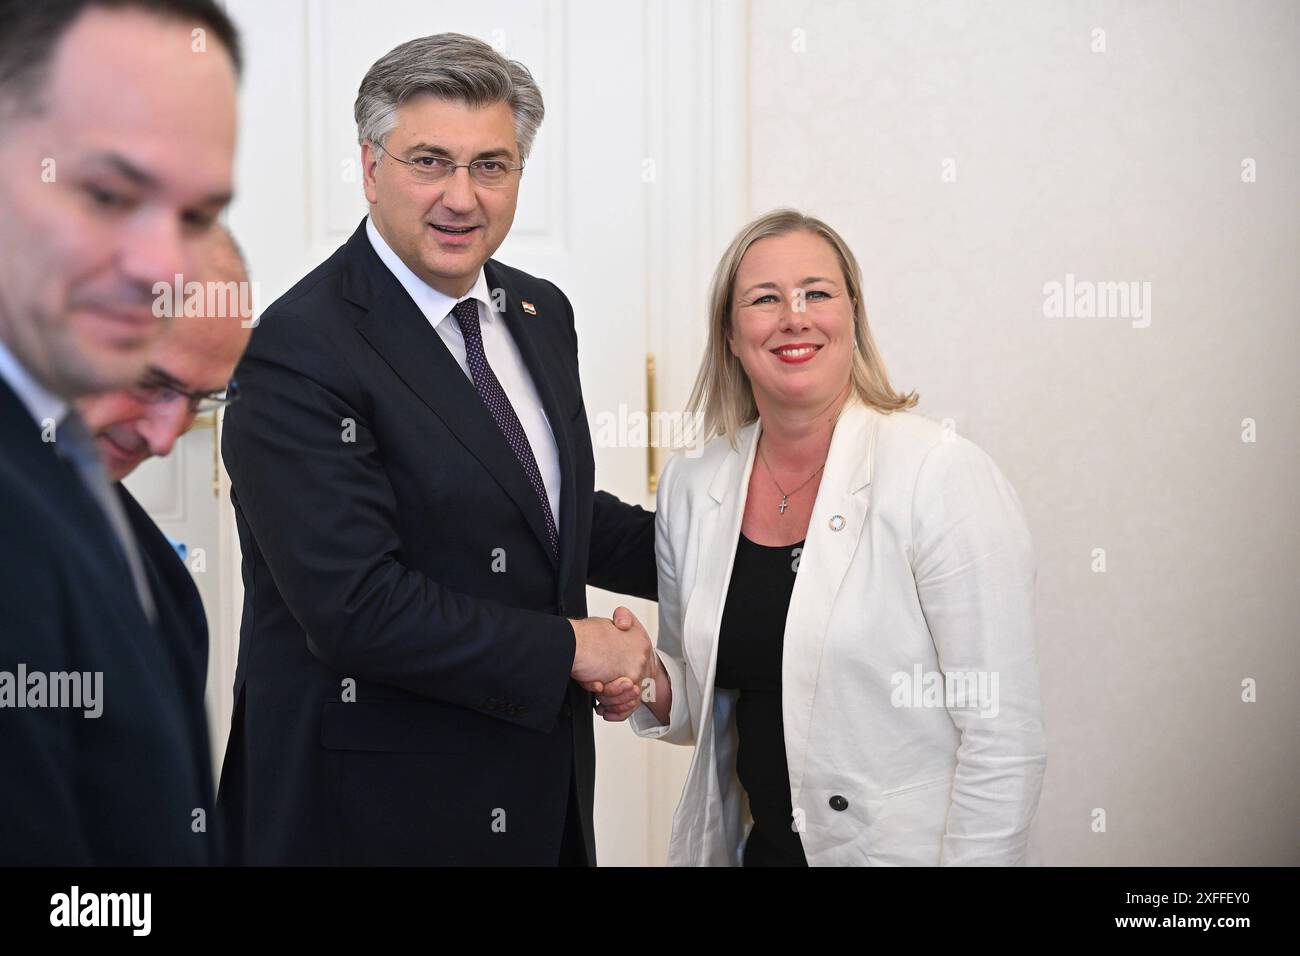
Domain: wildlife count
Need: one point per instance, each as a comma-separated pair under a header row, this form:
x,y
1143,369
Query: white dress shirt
x,y
499,347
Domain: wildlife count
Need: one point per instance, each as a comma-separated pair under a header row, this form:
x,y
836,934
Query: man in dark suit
x,y
188,374
413,477
98,734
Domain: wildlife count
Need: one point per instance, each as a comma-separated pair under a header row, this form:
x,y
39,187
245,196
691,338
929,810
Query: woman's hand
x,y
617,700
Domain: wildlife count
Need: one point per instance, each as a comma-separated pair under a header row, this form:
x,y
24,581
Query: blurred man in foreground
x,y
113,182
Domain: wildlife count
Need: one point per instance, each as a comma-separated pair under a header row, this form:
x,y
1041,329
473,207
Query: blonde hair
x,y
723,394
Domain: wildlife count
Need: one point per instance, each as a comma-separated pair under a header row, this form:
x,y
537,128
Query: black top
x,y
749,660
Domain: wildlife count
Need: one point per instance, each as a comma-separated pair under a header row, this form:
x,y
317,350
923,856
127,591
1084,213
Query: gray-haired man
x,y
413,481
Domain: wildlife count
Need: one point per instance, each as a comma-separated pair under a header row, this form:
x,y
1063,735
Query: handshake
x,y
615,660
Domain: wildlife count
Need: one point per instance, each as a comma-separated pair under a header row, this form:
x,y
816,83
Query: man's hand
x,y
606,650
624,620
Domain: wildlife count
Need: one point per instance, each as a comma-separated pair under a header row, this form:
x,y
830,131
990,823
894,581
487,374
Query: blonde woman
x,y
845,596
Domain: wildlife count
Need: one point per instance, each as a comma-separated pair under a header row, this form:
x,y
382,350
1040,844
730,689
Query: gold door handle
x,y
651,464
209,420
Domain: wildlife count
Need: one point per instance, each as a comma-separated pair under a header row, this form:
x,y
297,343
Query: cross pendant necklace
x,y
785,495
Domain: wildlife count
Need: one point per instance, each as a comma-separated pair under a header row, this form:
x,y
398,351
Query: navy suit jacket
x,y
123,788
403,691
185,634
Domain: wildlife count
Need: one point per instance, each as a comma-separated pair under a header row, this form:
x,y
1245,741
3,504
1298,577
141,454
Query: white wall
x,y
1114,166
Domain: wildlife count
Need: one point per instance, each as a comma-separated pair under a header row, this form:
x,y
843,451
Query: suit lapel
x,y
834,533
399,332
527,333
719,534
84,524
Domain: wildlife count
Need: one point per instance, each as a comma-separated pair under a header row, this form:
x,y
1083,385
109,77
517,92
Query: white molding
x,y
223,652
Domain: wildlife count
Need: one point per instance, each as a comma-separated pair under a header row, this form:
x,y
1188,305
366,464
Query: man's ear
x,y
369,160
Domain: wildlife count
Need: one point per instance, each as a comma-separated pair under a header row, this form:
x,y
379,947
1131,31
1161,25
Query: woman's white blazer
x,y
910,694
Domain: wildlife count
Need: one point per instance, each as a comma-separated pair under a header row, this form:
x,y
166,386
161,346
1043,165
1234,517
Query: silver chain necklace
x,y
785,495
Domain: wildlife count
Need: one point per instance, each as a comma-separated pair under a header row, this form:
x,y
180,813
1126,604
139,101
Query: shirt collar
x,y
43,404
435,305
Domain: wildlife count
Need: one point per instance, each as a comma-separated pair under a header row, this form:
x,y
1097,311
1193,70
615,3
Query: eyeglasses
x,y
427,168
159,388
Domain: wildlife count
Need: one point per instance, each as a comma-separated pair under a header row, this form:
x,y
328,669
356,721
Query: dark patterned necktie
x,y
503,413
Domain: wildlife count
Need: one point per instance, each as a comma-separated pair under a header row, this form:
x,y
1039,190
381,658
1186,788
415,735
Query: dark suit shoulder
x,y
514,279
308,311
25,529
524,285
549,303
29,473
321,286
40,572
309,331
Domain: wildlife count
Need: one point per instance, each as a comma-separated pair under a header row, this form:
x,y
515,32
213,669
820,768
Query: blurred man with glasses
x,y
188,375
